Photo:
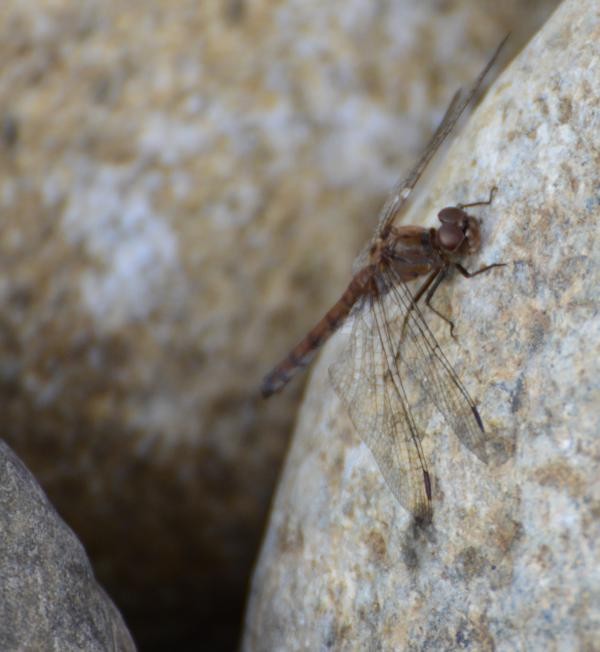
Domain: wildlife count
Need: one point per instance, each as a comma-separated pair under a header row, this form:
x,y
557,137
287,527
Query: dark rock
x,y
50,597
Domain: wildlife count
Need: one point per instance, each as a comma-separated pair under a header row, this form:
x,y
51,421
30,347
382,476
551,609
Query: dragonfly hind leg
x,y
441,275
430,285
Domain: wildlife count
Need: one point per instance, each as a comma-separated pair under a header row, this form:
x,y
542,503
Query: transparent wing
x,y
370,387
401,192
391,372
422,363
403,189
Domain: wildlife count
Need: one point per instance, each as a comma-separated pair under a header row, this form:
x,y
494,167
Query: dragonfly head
x,y
459,232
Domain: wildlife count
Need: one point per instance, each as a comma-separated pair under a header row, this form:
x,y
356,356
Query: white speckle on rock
x,y
356,457
171,141
135,248
349,154
237,207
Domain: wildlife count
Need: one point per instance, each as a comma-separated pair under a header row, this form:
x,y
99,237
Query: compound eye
x,y
450,236
451,215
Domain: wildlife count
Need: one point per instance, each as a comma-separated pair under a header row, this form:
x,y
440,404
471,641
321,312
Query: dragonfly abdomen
x,y
301,355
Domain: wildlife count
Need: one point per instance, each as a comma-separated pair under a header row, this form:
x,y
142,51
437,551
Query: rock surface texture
x,y
183,186
512,558
50,597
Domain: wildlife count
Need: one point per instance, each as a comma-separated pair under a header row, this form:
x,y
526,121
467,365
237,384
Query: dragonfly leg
x,y
440,277
420,292
487,202
467,274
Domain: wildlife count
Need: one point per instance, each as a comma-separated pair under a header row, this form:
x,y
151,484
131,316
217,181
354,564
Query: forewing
x,y
370,387
401,192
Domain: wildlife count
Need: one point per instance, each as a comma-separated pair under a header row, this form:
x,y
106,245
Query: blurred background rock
x,y
183,188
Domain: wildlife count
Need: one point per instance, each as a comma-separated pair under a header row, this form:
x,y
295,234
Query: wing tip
x,y
477,418
423,515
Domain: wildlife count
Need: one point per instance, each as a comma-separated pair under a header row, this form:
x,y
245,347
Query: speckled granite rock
x,y
50,599
167,172
512,559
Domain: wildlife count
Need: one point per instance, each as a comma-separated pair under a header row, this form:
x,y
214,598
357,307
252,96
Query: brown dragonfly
x,y
393,366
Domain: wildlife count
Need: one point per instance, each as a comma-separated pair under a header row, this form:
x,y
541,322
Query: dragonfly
x,y
392,367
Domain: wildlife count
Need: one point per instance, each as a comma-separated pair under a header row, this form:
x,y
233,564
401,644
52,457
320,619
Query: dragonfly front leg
x,y
467,274
487,202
